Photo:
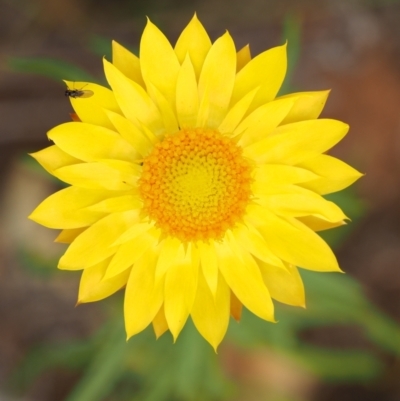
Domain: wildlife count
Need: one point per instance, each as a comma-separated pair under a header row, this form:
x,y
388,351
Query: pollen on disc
x,y
195,184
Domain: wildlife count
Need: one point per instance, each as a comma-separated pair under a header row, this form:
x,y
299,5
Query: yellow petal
x,y
134,232
127,63
243,56
99,175
236,307
209,265
292,241
253,242
89,142
236,113
204,109
317,224
168,253
129,253
180,289
294,143
335,174
166,109
187,97
160,324
129,171
270,114
263,121
244,278
90,110
217,78
116,204
64,208
149,134
307,105
267,70
278,174
95,244
159,63
131,133
52,158
68,235
210,313
294,201
193,41
143,297
134,101
92,288
284,285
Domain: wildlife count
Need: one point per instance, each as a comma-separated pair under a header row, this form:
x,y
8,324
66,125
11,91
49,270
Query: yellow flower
x,y
194,186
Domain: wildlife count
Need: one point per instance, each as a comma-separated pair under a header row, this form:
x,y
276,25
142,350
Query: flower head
x,y
194,186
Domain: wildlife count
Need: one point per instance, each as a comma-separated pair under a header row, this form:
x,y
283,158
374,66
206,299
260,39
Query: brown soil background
x,y
352,47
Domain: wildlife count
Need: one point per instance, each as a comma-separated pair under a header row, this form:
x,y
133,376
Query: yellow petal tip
x,y
159,335
148,22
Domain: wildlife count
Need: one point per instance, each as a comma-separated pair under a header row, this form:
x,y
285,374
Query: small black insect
x,y
78,93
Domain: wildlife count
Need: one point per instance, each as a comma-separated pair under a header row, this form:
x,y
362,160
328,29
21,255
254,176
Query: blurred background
x,y
344,346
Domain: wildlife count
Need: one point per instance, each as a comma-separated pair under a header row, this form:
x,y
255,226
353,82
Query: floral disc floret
x,y
195,184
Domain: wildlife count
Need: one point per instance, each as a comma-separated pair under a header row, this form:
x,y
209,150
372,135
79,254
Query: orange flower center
x,y
195,184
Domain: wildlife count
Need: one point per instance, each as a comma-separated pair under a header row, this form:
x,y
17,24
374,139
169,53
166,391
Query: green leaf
x,y
187,370
291,34
340,298
36,263
73,356
104,370
381,330
339,365
101,46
